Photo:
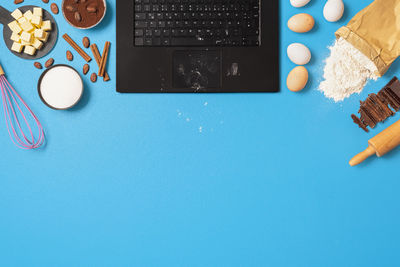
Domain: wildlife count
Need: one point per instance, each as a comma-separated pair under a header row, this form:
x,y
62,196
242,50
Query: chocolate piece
x,y
359,122
384,109
393,88
388,96
45,1
90,12
378,107
386,99
394,97
394,85
366,117
373,110
18,1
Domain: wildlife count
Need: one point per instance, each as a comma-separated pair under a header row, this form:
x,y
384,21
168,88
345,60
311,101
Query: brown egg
x,y
301,23
297,79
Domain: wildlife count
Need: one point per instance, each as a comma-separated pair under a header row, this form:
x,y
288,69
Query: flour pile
x,y
346,72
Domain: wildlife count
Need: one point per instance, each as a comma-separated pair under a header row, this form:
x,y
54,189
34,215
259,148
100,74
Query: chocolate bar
x,y
378,107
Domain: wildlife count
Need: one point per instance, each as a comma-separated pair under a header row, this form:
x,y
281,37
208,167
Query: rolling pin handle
x,y
362,156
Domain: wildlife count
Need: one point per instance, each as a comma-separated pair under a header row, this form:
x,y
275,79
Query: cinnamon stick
x,y
78,49
104,58
97,58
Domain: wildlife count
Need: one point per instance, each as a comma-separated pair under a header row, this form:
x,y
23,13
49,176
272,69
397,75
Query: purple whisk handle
x,y
13,113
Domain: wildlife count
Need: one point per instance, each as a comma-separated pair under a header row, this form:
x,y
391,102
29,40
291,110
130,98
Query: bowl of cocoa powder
x,y
84,14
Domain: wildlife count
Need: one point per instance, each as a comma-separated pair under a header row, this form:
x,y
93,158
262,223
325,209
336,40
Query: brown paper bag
x,y
375,31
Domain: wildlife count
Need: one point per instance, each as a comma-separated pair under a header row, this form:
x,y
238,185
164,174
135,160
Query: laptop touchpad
x,y
197,69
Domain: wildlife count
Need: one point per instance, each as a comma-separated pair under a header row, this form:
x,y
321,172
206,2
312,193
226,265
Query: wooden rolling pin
x,y
381,144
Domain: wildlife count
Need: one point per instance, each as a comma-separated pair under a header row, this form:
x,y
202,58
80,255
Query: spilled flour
x,y
346,71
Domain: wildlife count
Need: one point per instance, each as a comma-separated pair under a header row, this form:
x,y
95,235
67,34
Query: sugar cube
x,y
30,50
17,47
22,20
37,11
14,27
16,14
39,33
25,43
36,20
26,36
27,26
28,15
37,44
45,37
15,37
46,25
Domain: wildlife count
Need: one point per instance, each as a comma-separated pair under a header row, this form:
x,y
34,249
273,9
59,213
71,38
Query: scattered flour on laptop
x,y
346,71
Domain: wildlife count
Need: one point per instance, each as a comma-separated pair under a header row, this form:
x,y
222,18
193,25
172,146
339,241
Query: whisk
x,y
13,114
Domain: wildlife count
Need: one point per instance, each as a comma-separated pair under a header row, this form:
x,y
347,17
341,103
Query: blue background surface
x,y
197,180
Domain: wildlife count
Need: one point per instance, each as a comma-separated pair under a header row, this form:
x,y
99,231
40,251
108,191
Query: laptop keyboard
x,y
197,22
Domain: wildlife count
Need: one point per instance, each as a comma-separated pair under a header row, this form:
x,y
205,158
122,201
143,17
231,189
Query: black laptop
x,y
186,46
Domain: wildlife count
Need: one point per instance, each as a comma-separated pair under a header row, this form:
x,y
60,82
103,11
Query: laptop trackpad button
x,y
197,70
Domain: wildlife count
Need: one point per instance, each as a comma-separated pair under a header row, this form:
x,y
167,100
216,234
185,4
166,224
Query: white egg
x,y
299,3
333,10
299,54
